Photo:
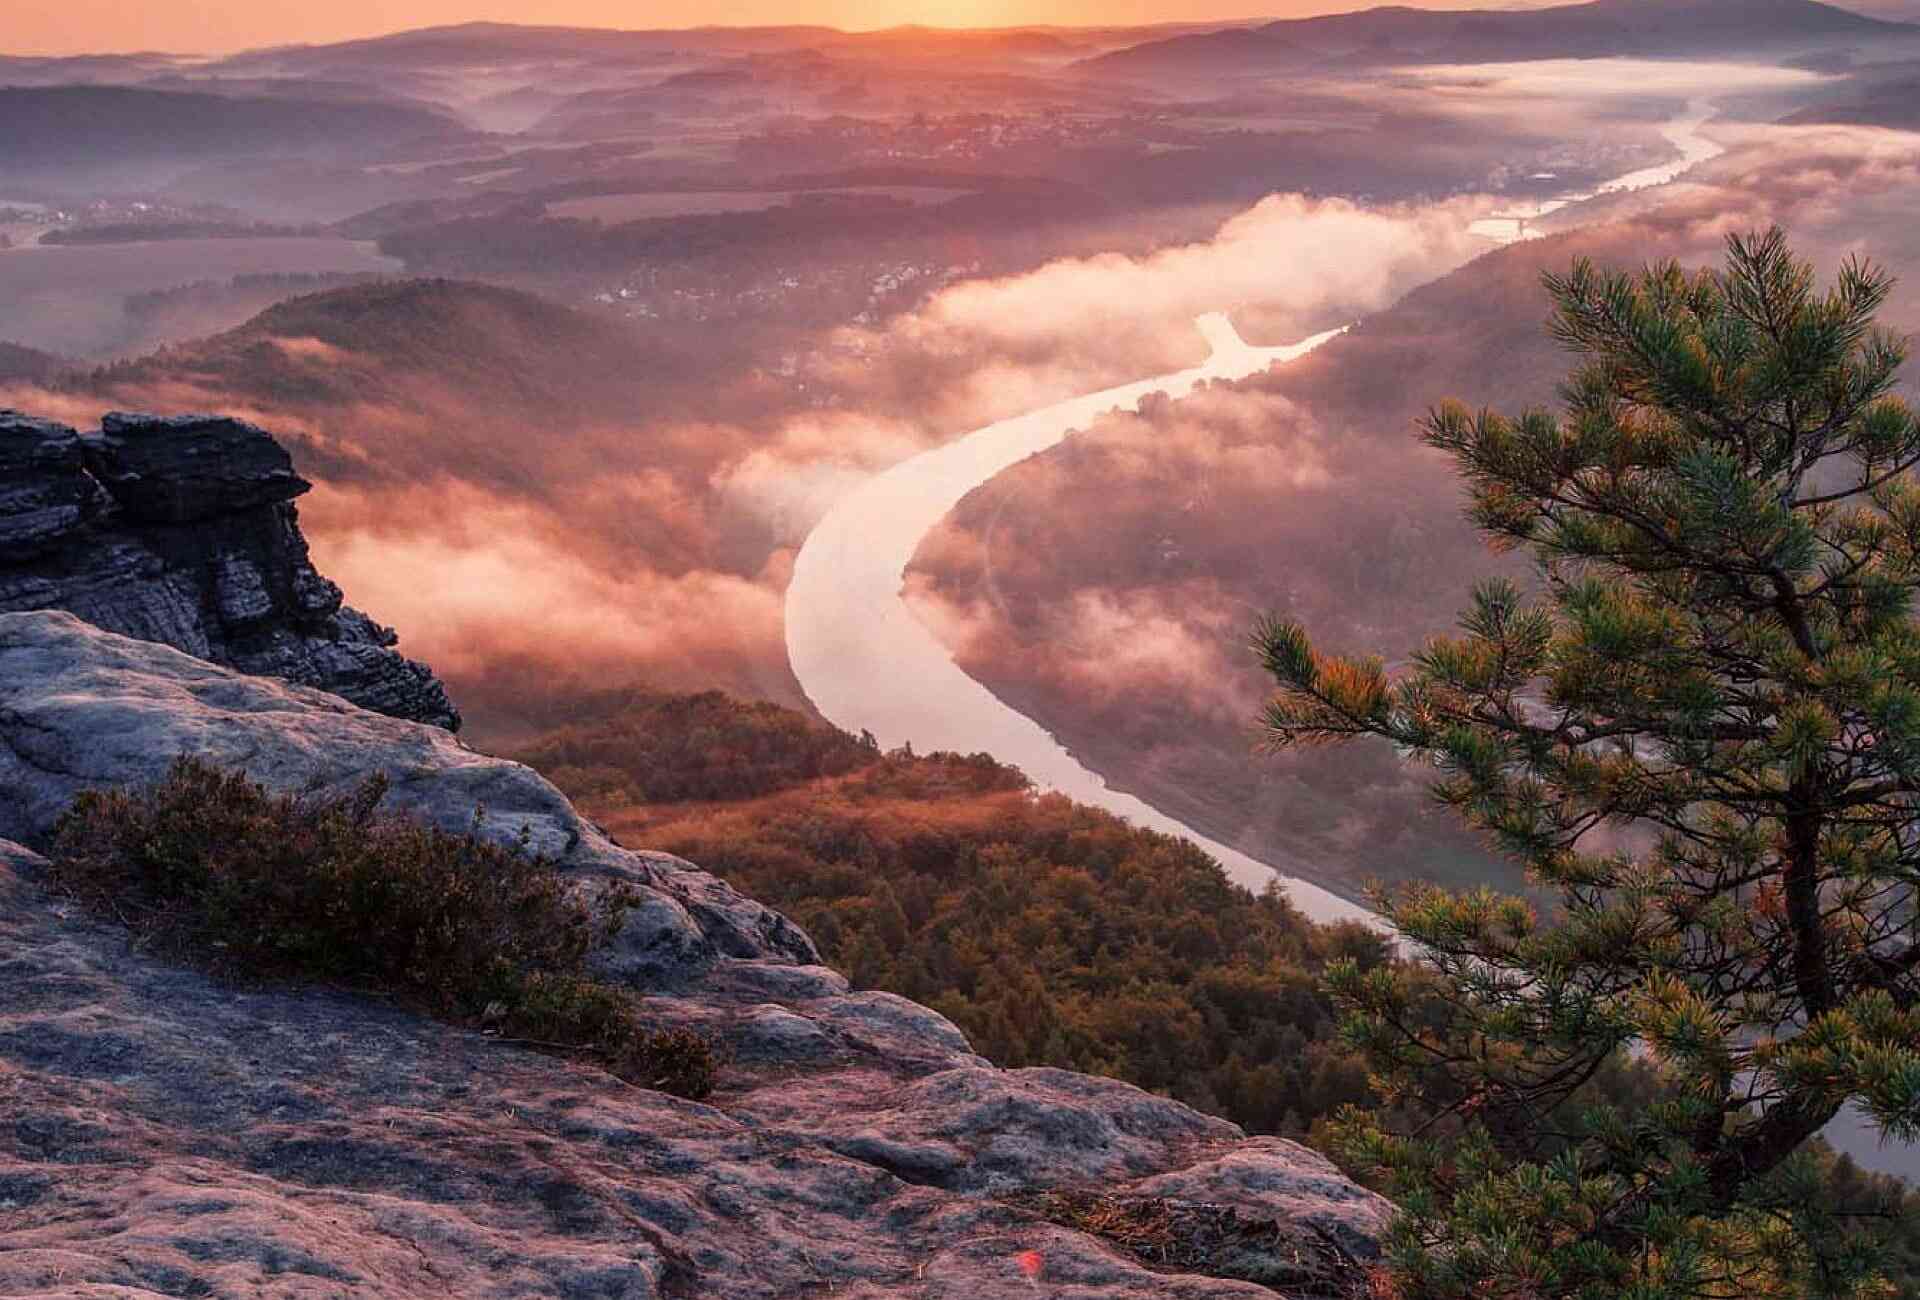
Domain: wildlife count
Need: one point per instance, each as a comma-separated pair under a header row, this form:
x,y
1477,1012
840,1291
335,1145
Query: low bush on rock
x,y
1301,1259
207,867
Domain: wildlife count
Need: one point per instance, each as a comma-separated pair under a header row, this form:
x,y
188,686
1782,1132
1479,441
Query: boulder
x,y
183,530
179,469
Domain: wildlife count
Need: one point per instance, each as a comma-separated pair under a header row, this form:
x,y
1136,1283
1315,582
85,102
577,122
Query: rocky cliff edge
x,y
161,1134
182,530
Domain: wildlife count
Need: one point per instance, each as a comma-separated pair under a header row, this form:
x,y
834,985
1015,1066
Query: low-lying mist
x,y
514,484
1107,588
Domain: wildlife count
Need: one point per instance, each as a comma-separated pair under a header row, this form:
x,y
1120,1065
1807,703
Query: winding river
x,y
1683,133
868,664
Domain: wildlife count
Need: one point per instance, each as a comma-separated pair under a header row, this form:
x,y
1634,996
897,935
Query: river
x,y
868,664
1683,133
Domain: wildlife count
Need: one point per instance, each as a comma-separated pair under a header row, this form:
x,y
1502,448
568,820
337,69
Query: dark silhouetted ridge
x,y
1601,28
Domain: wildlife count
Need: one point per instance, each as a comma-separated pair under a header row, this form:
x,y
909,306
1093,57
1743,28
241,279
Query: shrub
x,y
209,868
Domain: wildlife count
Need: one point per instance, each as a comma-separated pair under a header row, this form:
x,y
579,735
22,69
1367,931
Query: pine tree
x,y
1699,731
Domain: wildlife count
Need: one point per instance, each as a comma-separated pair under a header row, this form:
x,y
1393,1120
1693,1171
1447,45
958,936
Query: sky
x,y
219,26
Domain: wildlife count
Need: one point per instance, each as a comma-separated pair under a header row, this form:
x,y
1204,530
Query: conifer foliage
x,y
1700,730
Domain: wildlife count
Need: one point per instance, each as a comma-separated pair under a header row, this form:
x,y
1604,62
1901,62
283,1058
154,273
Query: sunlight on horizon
x,y
225,26
962,14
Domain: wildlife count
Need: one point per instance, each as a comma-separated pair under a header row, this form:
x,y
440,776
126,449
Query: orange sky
x,y
77,26
219,26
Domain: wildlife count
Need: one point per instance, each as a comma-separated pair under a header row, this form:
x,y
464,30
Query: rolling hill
x,y
56,128
30,365
424,345
1598,29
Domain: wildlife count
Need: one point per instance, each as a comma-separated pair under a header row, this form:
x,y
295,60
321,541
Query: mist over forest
x,y
579,335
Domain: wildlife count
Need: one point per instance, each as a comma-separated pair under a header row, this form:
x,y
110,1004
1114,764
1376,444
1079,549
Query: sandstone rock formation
x,y
183,531
82,708
164,1135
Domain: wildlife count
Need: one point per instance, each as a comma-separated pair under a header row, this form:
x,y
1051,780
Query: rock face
x,y
164,1135
82,708
183,531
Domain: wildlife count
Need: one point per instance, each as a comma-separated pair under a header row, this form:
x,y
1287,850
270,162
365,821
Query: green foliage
x,y
1703,734
209,868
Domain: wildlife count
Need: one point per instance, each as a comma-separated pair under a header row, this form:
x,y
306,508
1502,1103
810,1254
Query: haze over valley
x,y
739,418
581,332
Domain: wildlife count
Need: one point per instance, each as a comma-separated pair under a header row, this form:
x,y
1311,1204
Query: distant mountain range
x,y
360,97
1599,29
53,126
1387,34
490,44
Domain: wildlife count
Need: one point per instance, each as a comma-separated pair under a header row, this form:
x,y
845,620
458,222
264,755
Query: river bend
x,y
868,664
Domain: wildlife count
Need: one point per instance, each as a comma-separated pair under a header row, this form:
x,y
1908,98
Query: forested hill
x,y
401,340
1053,933
1396,34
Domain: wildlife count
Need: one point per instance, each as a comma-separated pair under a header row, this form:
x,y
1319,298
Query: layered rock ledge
x,y
183,530
164,1135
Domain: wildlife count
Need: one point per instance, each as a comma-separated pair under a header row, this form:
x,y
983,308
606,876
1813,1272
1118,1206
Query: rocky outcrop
x,y
81,708
162,1134
183,531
